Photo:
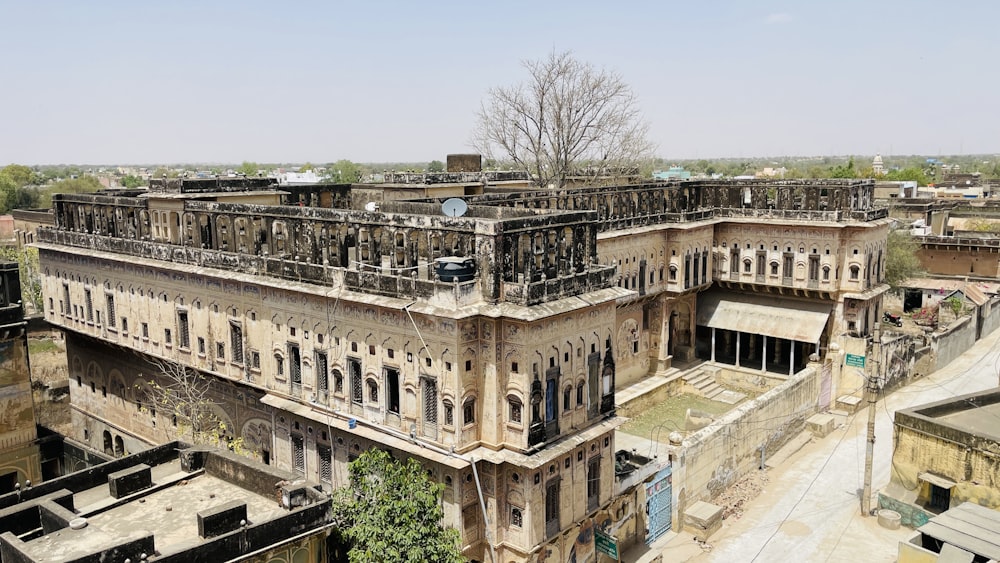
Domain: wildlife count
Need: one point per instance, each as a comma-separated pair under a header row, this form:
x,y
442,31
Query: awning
x,y
935,480
781,318
337,421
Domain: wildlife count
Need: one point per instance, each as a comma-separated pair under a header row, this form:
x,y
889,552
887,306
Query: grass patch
x,y
658,421
36,346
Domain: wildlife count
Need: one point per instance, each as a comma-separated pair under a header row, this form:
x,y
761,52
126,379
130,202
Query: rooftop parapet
x,y
524,256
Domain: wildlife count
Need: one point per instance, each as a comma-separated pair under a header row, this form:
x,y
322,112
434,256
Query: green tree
x,y
907,174
901,261
391,511
130,181
19,174
435,166
847,171
568,119
306,167
248,168
81,185
30,274
344,172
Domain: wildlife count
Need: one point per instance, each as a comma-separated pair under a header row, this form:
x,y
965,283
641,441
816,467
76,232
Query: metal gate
x,y
658,505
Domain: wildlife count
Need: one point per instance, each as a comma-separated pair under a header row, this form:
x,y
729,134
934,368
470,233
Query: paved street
x,y
810,510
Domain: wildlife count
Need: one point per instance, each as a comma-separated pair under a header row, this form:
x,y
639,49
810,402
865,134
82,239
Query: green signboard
x,y
855,361
606,544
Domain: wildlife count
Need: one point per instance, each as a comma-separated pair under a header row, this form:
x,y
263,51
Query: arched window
x,y
514,409
855,271
372,391
449,413
567,395
579,394
469,411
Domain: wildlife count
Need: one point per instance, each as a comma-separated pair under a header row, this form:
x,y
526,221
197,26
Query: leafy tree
x,y
248,168
130,181
391,511
81,185
568,119
19,174
344,172
306,167
847,171
30,274
907,174
901,262
435,166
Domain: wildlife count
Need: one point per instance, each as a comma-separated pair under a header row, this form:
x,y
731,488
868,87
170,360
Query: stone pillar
x,y
713,343
763,357
791,359
738,335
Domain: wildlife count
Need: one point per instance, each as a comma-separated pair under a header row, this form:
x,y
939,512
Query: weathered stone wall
x,y
954,341
989,317
719,455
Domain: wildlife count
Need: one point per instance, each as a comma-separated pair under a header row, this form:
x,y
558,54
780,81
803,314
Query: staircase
x,y
703,381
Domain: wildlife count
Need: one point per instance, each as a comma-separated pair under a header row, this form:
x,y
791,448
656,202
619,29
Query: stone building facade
x,y
489,346
329,331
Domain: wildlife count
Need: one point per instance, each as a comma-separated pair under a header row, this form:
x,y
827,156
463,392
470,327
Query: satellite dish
x,y
454,207
371,206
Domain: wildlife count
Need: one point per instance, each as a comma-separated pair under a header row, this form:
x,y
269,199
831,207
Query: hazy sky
x,y
227,81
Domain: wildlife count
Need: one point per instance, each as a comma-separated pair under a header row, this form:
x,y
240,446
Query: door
x,y
658,505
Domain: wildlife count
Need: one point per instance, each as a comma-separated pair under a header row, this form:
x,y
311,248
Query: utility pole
x,y
872,380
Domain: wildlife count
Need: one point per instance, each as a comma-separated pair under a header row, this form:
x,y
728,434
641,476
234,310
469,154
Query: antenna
x,y
371,206
454,207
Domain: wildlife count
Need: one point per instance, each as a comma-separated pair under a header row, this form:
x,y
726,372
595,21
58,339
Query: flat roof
x,y
170,514
974,413
969,526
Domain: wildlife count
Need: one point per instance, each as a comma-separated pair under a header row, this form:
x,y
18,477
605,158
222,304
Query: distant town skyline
x,y
186,82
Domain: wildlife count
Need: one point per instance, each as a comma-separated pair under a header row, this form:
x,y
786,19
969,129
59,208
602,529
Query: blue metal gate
x,y
658,505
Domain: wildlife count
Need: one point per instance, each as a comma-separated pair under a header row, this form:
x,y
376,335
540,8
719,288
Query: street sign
x,y
608,545
855,361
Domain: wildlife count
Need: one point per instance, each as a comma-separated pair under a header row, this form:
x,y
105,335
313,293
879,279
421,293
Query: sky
x,y
376,81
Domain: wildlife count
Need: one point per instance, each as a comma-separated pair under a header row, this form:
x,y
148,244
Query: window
x,y
469,411
295,364
814,268
552,507
514,410
90,305
167,336
338,382
372,391
183,329
826,273
550,399
279,365
787,268
109,305
579,394
201,345
673,273
298,453
357,393
392,390
516,517
325,455
774,268
66,300
145,330
567,395
322,378
746,266
124,324
449,414
593,483
429,389
220,351
855,271
254,359
236,341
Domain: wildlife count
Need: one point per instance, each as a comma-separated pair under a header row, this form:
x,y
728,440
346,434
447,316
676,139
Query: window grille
x,y
236,341
298,453
325,463
110,302
184,331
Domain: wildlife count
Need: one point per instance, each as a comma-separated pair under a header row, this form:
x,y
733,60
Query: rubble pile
x,y
736,496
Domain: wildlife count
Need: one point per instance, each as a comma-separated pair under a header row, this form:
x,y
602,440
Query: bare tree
x,y
568,119
185,394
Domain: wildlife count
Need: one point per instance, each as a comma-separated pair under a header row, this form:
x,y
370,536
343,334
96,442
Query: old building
x,y
171,503
20,460
488,345
944,454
